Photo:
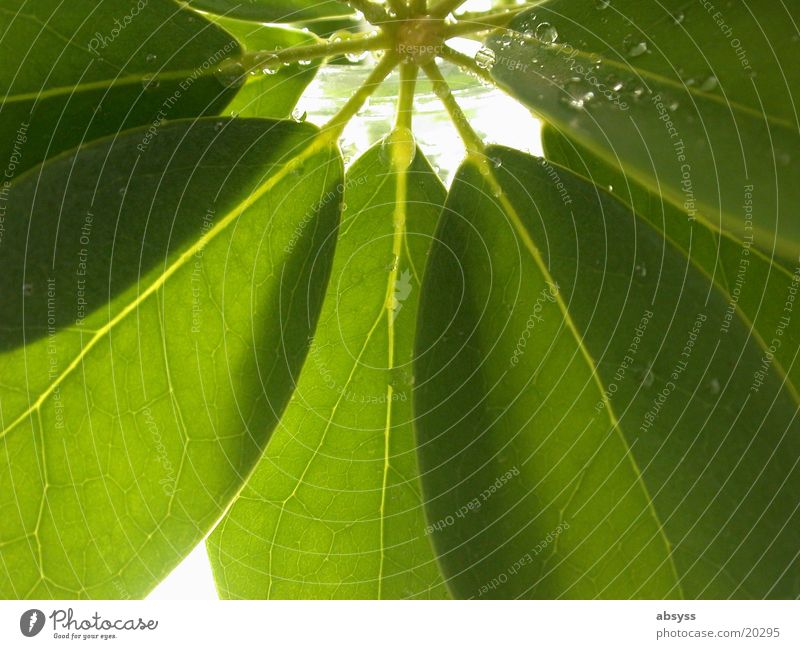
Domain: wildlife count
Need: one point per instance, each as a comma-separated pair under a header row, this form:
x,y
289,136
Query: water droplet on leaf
x,y
637,50
709,84
485,58
231,74
546,33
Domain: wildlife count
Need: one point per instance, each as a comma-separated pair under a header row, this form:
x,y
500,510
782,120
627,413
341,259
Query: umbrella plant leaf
x,y
273,11
333,509
76,71
694,101
616,434
273,93
165,326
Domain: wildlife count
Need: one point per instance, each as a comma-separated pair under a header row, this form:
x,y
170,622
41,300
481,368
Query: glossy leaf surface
x,y
165,326
653,457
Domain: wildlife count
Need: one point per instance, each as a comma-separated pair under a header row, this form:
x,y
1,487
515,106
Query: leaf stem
x,y
374,13
402,154
472,141
405,102
399,8
419,7
271,59
445,7
468,63
481,22
338,122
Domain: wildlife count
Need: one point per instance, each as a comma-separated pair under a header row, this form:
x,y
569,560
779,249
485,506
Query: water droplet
x,y
304,63
441,90
640,270
602,4
400,148
649,378
218,125
709,84
497,163
637,50
150,58
611,188
299,116
618,86
340,36
528,25
674,106
785,159
356,57
149,82
485,58
231,74
714,386
546,33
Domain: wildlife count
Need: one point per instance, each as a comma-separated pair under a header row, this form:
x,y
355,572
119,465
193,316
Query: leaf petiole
x,y
333,129
481,22
473,143
468,63
445,7
268,59
374,13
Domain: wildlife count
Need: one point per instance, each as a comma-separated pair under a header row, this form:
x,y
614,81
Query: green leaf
x,y
695,102
276,94
333,509
273,11
165,326
73,72
754,285
617,436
